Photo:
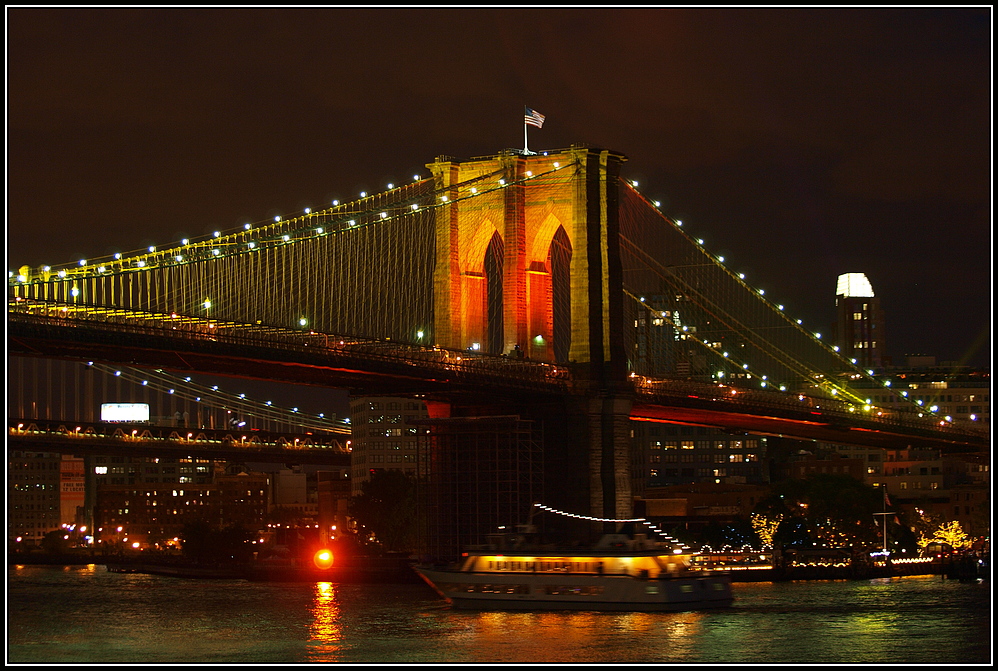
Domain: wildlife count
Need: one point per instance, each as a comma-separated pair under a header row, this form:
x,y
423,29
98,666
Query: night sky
x,y
800,144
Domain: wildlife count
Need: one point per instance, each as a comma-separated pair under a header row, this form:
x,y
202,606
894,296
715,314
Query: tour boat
x,y
618,574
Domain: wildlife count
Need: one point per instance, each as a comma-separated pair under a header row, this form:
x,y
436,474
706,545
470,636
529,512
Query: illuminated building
x,y
383,436
951,487
45,491
859,326
670,454
150,513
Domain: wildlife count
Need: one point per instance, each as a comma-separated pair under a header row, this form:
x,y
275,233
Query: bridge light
x,y
384,215
443,198
75,292
678,222
184,241
308,210
251,245
700,241
415,207
215,252
83,262
818,336
336,202
502,182
246,227
363,194
140,263
286,237
530,173
835,347
101,269
352,222
475,346
721,259
762,292
218,234
207,303
277,218
303,321
117,255
390,185
319,230
419,334
658,204
415,178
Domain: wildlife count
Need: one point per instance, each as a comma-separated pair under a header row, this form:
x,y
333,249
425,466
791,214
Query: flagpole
x,y
525,150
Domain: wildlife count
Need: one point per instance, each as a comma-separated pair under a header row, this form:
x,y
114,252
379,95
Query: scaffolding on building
x,y
477,476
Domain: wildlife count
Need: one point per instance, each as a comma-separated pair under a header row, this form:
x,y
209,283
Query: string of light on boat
x,y
605,519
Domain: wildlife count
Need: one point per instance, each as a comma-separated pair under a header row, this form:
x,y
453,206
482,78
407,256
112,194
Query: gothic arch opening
x,y
560,261
494,339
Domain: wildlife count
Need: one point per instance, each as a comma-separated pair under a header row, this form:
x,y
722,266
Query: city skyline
x,y
801,144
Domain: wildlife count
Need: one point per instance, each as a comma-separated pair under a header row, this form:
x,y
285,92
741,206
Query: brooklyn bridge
x,y
542,286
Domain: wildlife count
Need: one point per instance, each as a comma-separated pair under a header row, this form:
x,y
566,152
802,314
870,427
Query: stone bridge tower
x,y
527,260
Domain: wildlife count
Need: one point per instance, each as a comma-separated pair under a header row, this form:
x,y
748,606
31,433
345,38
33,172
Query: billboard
x,y
124,412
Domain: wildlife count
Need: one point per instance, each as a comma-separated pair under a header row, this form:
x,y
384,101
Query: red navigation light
x,y
323,559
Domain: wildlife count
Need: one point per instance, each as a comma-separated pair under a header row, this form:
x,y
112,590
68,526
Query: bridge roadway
x,y
367,367
146,440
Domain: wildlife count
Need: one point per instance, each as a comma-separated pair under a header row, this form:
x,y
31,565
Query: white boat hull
x,y
568,591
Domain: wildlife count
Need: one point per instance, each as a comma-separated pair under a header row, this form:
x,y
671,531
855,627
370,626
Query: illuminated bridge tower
x,y
527,260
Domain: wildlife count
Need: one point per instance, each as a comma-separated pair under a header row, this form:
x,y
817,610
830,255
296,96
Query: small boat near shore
x,y
618,574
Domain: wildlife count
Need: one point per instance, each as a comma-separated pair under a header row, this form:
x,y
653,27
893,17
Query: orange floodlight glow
x,y
323,559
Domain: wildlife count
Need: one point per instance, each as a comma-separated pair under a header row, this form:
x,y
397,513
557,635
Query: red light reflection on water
x,y
325,633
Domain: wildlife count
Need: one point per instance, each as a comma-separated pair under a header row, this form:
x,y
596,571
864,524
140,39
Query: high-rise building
x,y
383,436
44,493
859,324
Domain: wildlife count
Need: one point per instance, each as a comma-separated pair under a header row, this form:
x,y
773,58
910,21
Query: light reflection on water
x,y
87,615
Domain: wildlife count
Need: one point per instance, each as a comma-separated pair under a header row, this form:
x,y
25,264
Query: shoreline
x,y
384,569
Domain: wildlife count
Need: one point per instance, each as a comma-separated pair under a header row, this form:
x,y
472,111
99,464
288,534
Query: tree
x,y
765,528
953,535
832,510
386,507
54,542
205,544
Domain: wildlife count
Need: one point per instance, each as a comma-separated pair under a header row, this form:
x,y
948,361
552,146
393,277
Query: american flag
x,y
533,117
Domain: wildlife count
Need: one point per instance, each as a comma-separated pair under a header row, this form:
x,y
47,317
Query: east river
x,y
86,615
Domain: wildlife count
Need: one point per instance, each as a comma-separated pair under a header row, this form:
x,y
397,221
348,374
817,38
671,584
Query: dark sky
x,y
799,143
